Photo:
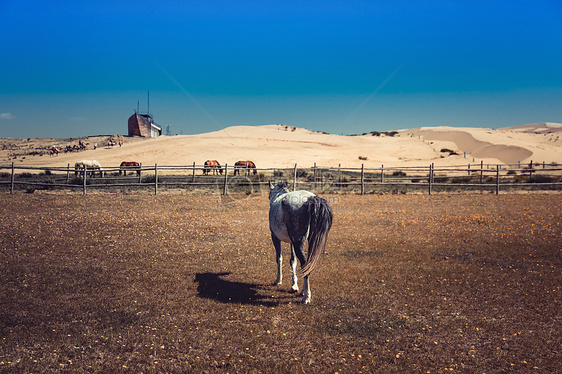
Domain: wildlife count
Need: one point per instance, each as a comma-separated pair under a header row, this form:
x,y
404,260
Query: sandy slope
x,y
283,146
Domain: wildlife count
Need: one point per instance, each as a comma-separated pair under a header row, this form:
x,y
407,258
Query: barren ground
x,y
183,283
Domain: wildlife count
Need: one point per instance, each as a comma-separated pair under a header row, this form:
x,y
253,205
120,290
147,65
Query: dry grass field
x,y
179,283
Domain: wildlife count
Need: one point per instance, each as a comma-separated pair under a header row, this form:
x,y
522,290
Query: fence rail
x,y
496,178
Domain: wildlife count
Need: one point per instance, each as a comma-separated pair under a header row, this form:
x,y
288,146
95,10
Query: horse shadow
x,y
212,286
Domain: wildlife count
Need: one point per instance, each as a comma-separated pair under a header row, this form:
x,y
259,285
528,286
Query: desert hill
x,y
283,146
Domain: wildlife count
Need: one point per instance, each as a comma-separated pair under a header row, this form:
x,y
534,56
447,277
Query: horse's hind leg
x,y
306,294
293,263
279,258
299,252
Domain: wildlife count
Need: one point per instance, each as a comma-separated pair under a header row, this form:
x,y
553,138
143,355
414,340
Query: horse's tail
x,y
321,215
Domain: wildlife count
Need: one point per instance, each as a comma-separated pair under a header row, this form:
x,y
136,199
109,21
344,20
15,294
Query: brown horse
x,y
212,165
247,165
128,165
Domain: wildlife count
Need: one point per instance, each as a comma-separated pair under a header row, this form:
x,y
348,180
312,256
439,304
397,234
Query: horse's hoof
x,y
277,283
294,290
306,300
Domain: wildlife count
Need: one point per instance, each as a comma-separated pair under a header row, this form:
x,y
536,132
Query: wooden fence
x,y
428,179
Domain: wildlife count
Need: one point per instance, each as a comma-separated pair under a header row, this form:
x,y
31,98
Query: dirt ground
x,y
111,282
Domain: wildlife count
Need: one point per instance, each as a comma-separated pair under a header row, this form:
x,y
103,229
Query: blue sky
x,y
77,68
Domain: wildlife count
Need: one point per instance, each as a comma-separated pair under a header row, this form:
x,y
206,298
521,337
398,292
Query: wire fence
x,y
231,180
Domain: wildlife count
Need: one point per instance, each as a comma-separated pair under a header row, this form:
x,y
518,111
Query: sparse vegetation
x,y
181,283
449,151
541,179
390,133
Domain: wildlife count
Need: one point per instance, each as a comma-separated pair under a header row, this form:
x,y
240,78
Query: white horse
x,y
92,166
295,217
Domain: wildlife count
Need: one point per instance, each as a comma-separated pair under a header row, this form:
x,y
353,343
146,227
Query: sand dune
x,y
538,128
283,146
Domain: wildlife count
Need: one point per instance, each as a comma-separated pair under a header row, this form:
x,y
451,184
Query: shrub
x,y
449,151
390,133
148,179
461,180
302,174
78,181
540,179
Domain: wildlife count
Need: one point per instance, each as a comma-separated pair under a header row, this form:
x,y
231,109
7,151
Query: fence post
x,y
468,170
481,172
339,175
382,174
155,179
193,177
140,172
430,179
67,173
362,179
314,184
12,181
497,180
295,178
224,188
84,180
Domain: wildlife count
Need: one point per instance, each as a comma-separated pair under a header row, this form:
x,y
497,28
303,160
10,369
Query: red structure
x,y
143,125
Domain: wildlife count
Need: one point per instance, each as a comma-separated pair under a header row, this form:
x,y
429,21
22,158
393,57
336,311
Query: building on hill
x,y
143,125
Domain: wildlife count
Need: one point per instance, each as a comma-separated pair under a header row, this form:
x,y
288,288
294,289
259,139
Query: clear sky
x,y
77,68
